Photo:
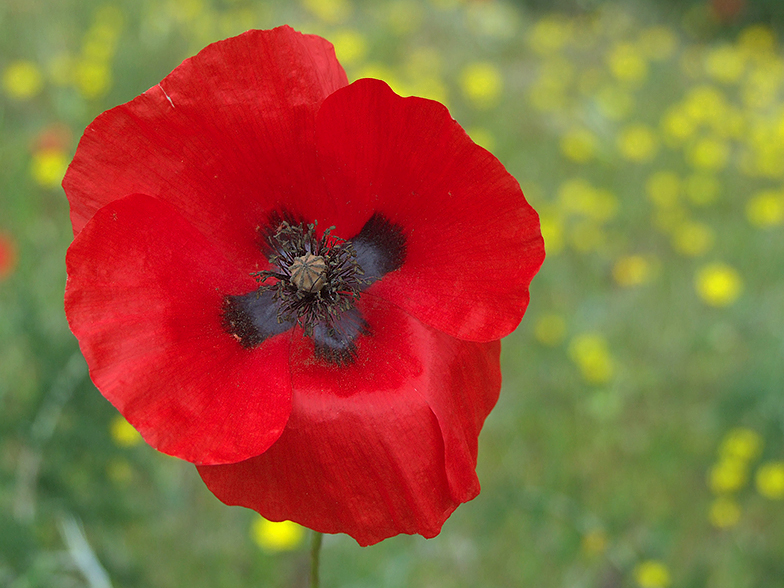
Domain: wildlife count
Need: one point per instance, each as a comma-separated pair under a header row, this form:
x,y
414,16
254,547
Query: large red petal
x,y
144,297
226,137
383,446
473,242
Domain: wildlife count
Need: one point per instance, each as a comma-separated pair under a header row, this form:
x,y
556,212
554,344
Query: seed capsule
x,y
308,273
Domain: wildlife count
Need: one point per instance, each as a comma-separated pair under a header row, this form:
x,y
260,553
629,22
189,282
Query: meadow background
x,y
639,438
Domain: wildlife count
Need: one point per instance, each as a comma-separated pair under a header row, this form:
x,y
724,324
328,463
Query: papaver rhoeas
x,y
299,284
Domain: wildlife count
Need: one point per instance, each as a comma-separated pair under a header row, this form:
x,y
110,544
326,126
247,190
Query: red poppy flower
x,y
299,284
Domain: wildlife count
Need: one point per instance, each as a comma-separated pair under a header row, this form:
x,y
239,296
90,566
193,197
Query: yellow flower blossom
x,y
123,434
403,16
482,137
766,209
724,513
761,87
652,574
92,78
728,475
550,329
632,270
274,537
725,63
627,63
552,232
482,83
638,142
591,354
577,196
579,145
709,154
350,46
693,238
658,43
757,40
663,188
718,284
48,167
586,236
677,125
770,480
548,92
741,443
705,103
550,34
330,11
22,80
669,219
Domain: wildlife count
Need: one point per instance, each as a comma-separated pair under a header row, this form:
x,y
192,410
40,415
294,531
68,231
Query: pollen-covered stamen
x,y
318,278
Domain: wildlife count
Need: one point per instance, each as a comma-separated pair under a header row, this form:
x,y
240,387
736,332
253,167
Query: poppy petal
x,y
472,242
144,297
382,446
227,138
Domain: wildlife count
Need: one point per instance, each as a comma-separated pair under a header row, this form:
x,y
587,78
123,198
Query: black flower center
x,y
314,283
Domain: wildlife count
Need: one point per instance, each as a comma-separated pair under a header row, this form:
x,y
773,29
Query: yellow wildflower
x,y
725,63
718,284
766,209
693,238
22,80
330,11
579,145
632,270
272,536
590,352
709,154
728,475
48,167
627,63
550,329
123,434
350,46
741,443
550,34
482,84
652,574
658,43
637,142
770,480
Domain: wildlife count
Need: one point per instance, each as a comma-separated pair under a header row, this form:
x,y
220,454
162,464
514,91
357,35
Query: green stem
x,y
315,551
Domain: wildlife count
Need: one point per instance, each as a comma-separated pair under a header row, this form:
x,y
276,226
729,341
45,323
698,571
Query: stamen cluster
x,y
339,276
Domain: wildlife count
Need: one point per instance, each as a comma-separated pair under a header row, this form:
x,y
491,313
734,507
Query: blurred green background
x,y
639,439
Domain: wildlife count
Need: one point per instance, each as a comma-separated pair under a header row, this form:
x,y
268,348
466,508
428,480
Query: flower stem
x,y
315,551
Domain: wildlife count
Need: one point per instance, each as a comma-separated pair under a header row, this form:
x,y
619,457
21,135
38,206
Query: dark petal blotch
x,y
380,247
252,318
336,345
